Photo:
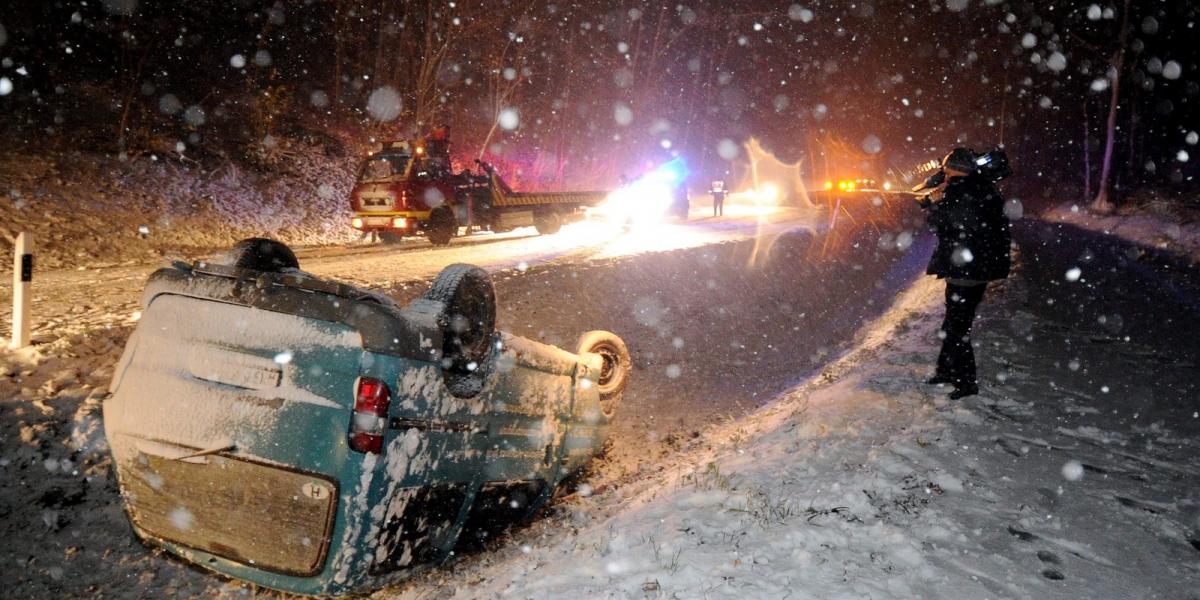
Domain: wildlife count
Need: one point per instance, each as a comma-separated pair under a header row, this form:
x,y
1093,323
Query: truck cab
x,y
398,187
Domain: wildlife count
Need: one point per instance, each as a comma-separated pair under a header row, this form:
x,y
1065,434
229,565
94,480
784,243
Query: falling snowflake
x,y
384,104
181,518
728,149
509,119
1172,70
1072,470
961,256
622,114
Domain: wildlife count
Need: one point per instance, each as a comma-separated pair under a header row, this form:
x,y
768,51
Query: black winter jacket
x,y
972,231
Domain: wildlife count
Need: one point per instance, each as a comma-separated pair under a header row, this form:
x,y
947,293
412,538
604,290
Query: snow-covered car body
x,y
234,412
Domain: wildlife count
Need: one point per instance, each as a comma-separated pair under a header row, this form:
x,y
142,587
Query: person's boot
x,y
939,379
963,390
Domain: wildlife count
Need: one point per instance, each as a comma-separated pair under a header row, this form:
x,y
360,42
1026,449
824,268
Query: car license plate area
x,y
383,202
233,368
258,515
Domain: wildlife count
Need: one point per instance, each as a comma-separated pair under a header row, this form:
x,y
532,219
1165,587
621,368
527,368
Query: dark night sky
x,y
605,84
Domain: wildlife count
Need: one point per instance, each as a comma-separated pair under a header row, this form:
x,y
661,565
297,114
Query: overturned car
x,y
316,438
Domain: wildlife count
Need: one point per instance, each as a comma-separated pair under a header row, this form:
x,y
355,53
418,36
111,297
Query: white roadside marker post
x,y
22,279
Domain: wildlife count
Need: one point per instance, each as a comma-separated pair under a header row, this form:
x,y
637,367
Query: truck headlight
x,y
399,222
356,223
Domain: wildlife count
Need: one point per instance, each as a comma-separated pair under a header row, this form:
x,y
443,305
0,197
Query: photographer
x,y
966,211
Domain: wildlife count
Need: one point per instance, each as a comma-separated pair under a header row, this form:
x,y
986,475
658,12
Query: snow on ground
x,y
1157,225
865,482
1074,474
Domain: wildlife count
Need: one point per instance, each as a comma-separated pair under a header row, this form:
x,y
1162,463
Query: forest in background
x,y
580,92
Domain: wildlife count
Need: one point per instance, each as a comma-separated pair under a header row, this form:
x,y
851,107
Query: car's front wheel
x,y
615,366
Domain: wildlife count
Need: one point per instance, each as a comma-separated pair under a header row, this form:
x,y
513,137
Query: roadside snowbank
x,y
1155,225
866,483
87,210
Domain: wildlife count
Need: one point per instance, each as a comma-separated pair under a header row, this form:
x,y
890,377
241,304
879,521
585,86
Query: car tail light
x,y
356,223
369,422
399,222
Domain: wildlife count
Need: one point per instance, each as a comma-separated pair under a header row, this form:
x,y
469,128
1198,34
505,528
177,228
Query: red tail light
x,y
369,422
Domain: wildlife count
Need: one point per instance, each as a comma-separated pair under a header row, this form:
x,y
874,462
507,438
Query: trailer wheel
x,y
468,321
614,370
547,222
442,226
390,237
262,254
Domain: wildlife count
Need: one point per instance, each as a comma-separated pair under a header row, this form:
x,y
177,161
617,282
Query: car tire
x,y
442,226
262,254
391,237
547,222
468,324
615,369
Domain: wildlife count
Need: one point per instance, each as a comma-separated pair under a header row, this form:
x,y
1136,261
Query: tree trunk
x,y
338,47
1087,153
1102,203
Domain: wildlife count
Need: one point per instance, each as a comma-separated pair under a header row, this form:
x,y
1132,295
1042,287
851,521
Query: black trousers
x,y
719,205
957,360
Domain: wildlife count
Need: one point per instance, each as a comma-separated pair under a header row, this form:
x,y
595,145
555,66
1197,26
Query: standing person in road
x,y
966,211
718,192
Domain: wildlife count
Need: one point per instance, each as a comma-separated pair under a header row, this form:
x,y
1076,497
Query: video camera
x,y
992,165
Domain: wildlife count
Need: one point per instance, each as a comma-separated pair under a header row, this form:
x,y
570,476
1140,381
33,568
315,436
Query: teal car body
x,y
233,413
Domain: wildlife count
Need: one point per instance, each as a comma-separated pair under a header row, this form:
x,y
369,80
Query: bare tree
x,y
1102,203
1087,152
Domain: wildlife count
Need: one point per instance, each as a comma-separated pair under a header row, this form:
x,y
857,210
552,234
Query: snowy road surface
x,y
75,301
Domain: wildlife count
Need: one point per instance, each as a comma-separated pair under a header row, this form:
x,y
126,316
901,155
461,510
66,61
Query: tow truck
x,y
409,188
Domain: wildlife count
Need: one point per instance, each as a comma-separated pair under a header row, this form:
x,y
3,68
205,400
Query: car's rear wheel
x,y
262,254
468,322
442,226
614,368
